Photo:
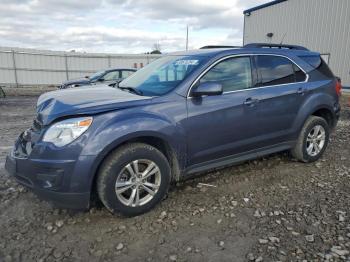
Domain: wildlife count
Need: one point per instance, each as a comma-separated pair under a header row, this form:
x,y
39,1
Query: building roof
x,y
248,11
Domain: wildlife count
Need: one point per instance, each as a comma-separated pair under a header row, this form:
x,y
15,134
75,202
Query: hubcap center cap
x,y
138,180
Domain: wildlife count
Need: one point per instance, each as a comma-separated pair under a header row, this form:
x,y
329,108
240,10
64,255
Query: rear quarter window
x,y
318,64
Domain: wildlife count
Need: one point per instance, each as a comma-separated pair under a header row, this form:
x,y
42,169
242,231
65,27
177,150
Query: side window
x,y
233,73
111,76
126,73
319,64
275,70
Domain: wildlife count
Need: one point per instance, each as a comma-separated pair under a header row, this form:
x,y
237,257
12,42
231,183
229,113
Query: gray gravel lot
x,y
271,209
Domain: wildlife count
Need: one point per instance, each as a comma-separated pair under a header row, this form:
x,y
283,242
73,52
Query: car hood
x,y
84,101
77,81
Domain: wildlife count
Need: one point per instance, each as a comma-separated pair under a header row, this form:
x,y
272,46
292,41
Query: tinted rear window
x,y
275,70
317,63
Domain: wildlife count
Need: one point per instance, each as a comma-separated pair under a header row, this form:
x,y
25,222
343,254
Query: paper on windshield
x,y
186,62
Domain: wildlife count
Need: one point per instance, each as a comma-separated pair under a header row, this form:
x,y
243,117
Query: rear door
x,y
281,92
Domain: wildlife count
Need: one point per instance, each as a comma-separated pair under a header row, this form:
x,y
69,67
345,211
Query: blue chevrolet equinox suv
x,y
182,114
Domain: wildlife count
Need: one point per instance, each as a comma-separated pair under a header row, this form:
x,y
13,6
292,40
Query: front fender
x,y
118,130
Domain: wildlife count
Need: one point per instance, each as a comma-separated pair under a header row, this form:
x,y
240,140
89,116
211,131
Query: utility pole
x,y
186,37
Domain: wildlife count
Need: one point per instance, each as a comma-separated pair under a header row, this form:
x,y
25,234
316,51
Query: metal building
x,y
319,25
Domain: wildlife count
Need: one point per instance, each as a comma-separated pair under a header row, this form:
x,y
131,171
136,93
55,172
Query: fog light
x,y
52,179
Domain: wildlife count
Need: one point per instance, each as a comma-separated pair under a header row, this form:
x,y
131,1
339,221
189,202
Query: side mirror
x,y
101,79
87,77
115,83
207,89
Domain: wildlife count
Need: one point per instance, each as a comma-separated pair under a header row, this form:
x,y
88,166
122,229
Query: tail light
x,y
338,87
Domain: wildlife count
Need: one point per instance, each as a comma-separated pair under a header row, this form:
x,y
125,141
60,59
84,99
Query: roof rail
x,y
281,46
219,46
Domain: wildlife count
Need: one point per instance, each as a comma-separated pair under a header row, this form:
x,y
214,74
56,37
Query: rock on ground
x,y
270,209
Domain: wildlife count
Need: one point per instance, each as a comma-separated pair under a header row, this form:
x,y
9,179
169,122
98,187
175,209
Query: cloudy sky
x,y
121,26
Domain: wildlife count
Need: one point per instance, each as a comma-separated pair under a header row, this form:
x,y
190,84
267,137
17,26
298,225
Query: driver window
x,y
233,74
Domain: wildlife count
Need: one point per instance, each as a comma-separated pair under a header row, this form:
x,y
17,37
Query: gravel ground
x,y
271,209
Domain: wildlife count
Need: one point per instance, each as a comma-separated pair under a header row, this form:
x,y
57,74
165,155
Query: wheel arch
x,y
321,105
327,115
153,139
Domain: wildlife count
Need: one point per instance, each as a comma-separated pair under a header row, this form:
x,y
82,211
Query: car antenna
x,y
283,38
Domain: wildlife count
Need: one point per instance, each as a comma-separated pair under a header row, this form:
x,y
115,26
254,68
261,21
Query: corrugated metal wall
x,y
320,25
20,67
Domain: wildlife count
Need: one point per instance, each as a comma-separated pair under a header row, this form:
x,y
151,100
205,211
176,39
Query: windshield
x,y
97,75
162,75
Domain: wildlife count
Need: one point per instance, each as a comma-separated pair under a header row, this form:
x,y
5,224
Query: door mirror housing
x,y
207,89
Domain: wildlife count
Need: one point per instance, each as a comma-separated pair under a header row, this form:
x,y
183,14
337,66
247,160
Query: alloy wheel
x,y
315,140
138,182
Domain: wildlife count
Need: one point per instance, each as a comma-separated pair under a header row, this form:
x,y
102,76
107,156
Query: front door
x,y
222,125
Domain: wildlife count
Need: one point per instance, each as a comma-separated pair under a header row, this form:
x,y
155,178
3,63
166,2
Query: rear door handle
x,y
250,101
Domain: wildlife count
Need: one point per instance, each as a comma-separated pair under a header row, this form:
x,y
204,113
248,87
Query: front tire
x,y
312,141
133,179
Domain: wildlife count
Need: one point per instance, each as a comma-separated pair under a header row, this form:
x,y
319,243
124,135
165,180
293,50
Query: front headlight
x,y
66,131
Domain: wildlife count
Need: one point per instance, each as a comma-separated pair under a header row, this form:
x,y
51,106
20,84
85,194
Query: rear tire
x,y
312,141
133,179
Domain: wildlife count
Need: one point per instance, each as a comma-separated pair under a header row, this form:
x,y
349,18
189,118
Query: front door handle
x,y
301,91
250,101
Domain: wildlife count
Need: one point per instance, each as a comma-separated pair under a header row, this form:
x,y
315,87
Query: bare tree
x,y
156,47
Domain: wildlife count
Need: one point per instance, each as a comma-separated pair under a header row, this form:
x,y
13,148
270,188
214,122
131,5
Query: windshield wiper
x,y
129,88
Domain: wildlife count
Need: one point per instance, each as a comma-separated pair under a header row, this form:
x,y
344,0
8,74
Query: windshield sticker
x,y
186,62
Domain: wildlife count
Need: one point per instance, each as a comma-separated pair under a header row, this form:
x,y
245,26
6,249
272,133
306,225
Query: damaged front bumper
x,y
42,168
